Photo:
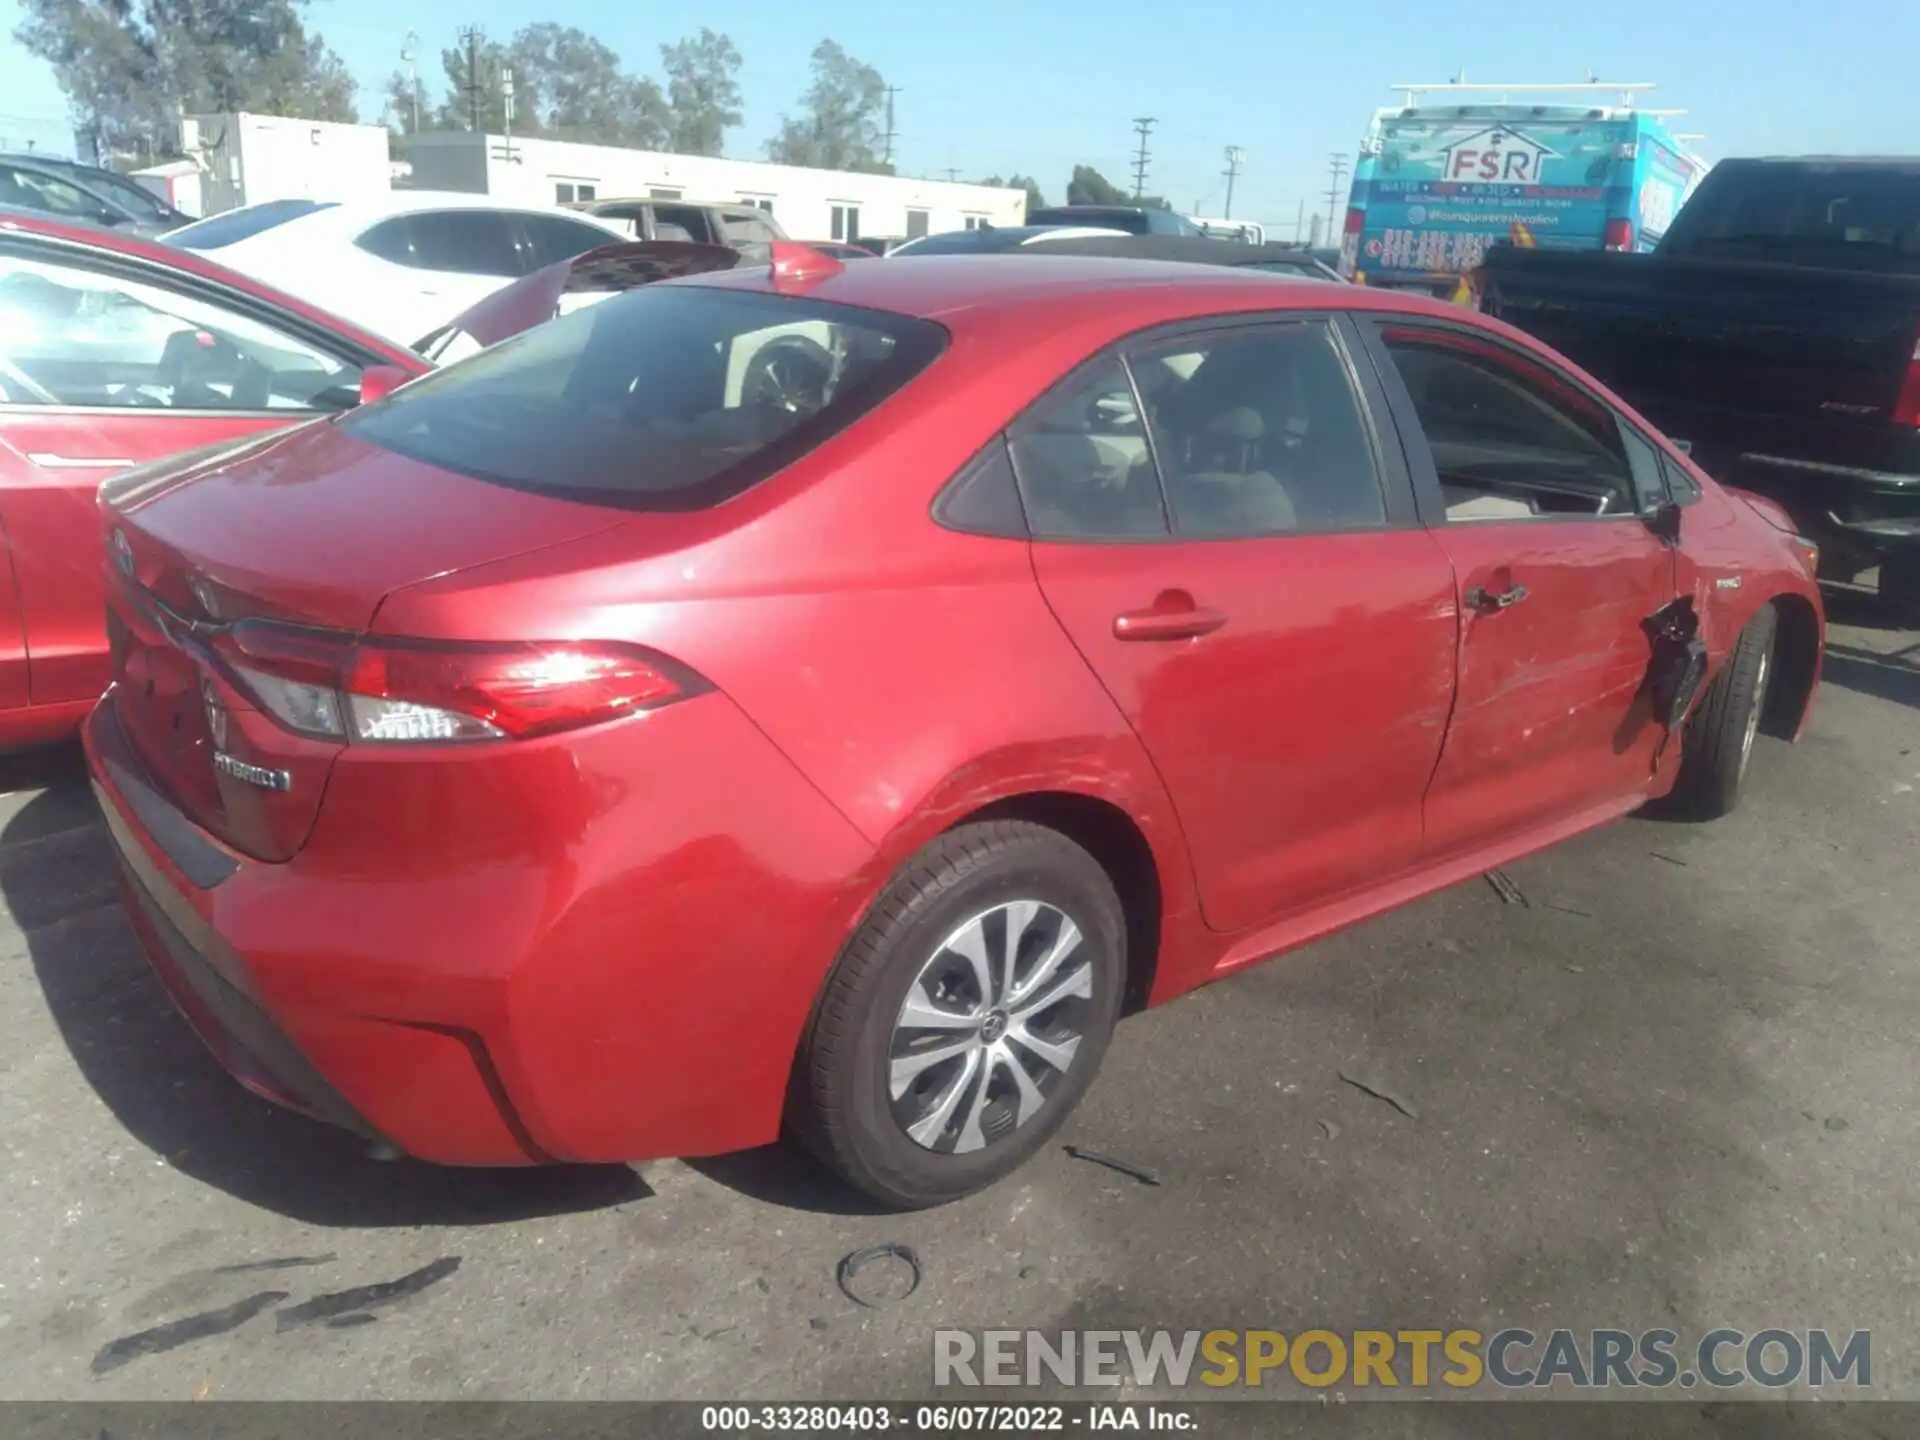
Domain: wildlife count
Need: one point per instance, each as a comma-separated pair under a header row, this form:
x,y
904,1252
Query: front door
x,y
103,366
1533,495
1222,537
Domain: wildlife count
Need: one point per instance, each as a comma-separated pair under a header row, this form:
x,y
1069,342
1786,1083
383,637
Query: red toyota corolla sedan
x,y
823,698
115,351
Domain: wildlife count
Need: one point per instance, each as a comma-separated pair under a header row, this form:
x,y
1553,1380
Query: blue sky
x,y
1037,85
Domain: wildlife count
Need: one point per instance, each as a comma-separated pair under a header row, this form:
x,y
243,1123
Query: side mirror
x,y
1663,519
379,381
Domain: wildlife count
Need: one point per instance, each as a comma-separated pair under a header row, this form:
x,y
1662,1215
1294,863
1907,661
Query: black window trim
x,y
1413,437
49,250
1370,402
516,237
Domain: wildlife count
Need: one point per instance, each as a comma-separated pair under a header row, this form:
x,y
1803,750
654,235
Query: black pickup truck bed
x,y
1776,331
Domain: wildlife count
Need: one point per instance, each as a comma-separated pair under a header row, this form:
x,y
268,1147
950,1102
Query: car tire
x,y
1900,586
1721,731
873,1102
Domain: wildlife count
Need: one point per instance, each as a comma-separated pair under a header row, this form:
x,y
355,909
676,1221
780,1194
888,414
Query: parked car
x,y
989,239
1775,330
1134,219
115,351
85,194
573,757
1281,259
400,265
705,224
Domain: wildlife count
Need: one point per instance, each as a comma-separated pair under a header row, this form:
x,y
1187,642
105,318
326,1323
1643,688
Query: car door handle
x,y
1168,623
1480,598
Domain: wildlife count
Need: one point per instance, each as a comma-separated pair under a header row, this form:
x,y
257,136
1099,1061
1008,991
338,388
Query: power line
x,y
1236,157
887,153
1337,168
1143,127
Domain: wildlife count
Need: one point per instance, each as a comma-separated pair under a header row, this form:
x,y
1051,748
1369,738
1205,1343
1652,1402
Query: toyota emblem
x,y
216,716
123,553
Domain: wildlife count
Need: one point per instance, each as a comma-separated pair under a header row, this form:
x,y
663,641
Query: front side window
x,y
668,397
95,339
1511,439
1258,431
35,190
463,242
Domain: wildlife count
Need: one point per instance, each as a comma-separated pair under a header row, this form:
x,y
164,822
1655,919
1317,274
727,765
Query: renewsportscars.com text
x,y
1457,1359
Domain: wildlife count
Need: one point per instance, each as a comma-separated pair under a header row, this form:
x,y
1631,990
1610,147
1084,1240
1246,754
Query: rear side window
x,y
465,242
556,238
243,224
670,397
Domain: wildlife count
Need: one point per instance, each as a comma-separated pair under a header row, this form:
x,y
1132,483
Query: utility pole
x,y
1300,223
1142,127
1338,169
470,36
506,109
951,173
887,154
1236,157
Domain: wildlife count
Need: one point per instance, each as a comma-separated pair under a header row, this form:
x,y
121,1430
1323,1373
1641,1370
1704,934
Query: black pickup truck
x,y
1775,331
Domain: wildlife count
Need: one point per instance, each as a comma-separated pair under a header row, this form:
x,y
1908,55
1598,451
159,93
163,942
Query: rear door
x,y
448,260
104,365
1237,558
1527,482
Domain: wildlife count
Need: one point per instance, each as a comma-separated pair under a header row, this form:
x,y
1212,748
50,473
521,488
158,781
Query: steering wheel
x,y
790,374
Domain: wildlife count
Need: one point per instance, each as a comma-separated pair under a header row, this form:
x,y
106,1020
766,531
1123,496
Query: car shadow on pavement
x,y
783,1175
57,878
1889,675
1857,606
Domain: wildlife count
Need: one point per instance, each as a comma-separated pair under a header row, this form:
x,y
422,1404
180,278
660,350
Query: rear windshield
x,y
1843,216
238,225
669,397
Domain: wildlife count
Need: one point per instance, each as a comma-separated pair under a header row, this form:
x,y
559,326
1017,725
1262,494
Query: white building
x,y
809,204
245,159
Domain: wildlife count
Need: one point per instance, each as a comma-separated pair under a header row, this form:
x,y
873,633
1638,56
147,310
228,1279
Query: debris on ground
x,y
1094,1157
850,1267
1027,1272
1836,1122
1380,1093
1670,859
1569,910
1329,1129
1504,887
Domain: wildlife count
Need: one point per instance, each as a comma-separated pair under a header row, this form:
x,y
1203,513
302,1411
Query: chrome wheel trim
x,y
989,1027
1759,704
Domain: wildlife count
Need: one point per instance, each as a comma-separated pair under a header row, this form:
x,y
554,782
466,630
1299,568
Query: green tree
x,y
130,68
407,112
1036,199
1089,187
703,92
566,84
842,121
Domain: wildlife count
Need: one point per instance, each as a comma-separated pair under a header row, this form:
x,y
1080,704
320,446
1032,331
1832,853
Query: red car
x,y
596,750
115,351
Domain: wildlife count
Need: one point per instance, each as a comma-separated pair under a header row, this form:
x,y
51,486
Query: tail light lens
x,y
380,691
1619,235
1906,409
1356,220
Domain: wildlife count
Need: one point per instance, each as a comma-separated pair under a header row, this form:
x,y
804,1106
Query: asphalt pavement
x,y
1667,1079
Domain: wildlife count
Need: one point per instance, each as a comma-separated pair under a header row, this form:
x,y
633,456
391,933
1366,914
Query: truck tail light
x,y
389,691
1619,235
1906,409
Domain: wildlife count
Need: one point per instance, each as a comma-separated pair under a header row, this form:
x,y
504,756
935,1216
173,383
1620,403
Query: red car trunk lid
x,y
314,528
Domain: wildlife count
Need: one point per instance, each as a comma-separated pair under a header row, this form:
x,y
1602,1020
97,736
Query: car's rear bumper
x,y
623,995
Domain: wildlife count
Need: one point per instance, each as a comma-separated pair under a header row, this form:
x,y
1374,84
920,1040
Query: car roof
x,y
968,290
101,240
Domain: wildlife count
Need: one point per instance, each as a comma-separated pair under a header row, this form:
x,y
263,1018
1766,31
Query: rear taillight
x,y
1356,220
381,691
1619,235
1906,409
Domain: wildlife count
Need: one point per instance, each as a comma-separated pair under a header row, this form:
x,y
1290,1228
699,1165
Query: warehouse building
x,y
809,204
